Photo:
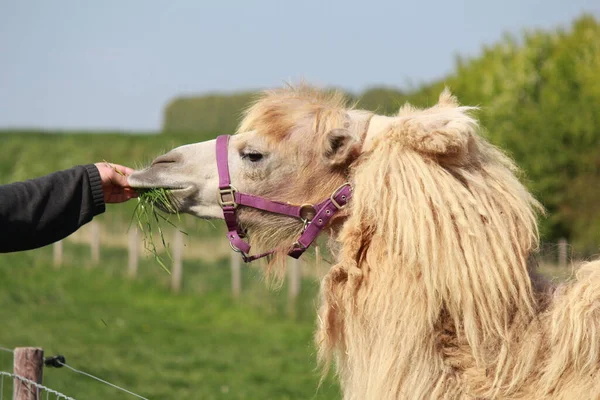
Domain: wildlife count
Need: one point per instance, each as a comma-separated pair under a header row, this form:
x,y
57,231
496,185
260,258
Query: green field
x,y
27,154
200,344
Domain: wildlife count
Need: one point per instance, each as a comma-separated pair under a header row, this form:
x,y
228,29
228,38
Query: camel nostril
x,y
168,158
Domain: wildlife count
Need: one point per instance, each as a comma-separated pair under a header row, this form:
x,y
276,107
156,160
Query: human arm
x,y
44,210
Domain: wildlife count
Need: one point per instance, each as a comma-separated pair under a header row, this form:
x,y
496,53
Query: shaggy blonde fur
x,y
431,295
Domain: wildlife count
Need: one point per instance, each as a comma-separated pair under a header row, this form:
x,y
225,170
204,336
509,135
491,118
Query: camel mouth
x,y
146,180
142,188
170,190
168,199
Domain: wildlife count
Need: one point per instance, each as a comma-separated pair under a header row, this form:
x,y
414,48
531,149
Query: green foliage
x,y
382,100
216,113
199,344
27,155
540,100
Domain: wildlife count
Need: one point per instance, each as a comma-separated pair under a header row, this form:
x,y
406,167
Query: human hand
x,y
114,182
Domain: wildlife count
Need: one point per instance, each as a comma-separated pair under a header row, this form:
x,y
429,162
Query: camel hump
x,y
446,129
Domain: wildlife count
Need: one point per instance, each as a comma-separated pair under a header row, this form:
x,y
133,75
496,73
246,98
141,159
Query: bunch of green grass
x,y
148,216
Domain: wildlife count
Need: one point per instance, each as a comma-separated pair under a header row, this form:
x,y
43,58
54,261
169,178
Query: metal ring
x,y
310,209
235,248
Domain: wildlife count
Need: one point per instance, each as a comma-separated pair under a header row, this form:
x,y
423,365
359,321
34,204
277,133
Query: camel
x,y
433,292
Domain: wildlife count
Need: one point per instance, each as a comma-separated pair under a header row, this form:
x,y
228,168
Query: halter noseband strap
x,y
315,217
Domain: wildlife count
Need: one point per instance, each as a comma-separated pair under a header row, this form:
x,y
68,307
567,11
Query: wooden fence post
x,y
562,252
176,272
293,269
236,274
317,263
28,363
293,278
95,242
133,246
58,253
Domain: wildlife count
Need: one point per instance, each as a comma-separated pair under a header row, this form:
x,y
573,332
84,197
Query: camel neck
x,y
377,124
361,120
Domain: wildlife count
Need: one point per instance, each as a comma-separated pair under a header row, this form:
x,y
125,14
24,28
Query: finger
x,y
123,169
130,192
118,196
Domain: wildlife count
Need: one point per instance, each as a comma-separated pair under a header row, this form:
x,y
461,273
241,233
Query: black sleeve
x,y
41,211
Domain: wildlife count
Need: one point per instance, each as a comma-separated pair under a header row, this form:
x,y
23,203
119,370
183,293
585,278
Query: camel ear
x,y
341,147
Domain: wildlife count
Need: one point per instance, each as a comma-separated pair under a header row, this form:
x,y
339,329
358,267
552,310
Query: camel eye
x,y
253,157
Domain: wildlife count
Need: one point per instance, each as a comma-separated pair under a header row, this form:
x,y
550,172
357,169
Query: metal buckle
x,y
224,192
335,192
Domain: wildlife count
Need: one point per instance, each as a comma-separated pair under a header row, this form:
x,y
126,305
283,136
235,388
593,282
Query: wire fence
x,y
40,392
102,381
98,240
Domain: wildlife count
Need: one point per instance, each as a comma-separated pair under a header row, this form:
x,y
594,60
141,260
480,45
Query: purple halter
x,y
314,217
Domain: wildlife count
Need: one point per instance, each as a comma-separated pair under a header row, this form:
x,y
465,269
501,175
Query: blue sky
x,y
114,64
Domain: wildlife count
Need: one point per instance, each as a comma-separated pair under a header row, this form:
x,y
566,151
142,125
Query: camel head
x,y
295,145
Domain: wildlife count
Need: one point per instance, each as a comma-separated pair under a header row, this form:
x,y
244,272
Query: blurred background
x,y
82,82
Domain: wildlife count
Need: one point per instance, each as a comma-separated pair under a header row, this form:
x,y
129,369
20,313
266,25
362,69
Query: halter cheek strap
x,y
314,217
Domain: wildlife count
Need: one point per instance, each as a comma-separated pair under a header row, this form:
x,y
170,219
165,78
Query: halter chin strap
x,y
314,217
